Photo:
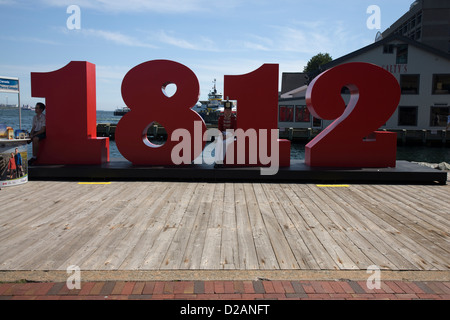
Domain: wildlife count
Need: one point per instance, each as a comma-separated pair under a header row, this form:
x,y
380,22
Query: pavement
x,y
226,290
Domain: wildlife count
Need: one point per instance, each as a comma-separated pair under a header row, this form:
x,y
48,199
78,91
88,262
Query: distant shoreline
x,y
13,108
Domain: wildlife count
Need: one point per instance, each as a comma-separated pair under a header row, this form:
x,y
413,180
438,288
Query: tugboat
x,y
210,110
121,111
214,99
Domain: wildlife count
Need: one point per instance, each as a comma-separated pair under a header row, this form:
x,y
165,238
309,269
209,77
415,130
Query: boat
x,y
121,111
210,110
214,99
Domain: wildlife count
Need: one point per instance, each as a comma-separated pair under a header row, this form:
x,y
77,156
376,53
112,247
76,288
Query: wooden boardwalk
x,y
214,226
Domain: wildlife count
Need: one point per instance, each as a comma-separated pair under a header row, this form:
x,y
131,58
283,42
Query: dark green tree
x,y
315,62
313,66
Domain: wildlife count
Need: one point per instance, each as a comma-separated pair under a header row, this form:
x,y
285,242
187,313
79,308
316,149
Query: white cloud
x,y
166,6
117,38
177,42
201,43
29,40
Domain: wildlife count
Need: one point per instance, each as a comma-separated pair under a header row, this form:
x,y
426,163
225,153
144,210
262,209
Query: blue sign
x,y
9,85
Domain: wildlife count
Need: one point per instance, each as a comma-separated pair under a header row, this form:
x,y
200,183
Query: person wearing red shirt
x,y
12,167
227,121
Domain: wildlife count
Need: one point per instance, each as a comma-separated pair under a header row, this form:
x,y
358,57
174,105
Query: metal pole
x,y
20,108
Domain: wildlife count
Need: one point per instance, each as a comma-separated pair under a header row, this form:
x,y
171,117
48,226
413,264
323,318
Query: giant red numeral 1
x,y
142,91
257,107
351,140
70,116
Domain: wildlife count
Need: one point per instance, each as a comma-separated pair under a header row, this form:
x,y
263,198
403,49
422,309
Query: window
x,y
439,116
302,114
402,54
407,116
388,48
410,84
419,18
286,113
418,34
441,84
317,123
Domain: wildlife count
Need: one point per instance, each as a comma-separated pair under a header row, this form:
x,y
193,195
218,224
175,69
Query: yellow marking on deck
x,y
94,183
333,186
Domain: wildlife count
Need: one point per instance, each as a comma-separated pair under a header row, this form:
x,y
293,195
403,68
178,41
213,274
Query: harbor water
x,y
438,154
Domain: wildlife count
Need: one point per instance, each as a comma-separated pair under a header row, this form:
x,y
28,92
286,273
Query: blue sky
x,y
212,37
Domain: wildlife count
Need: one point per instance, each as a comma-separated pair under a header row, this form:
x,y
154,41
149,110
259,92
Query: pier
x,y
200,231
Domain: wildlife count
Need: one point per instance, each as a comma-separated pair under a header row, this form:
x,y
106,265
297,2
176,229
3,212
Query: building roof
x,y
383,42
292,80
298,92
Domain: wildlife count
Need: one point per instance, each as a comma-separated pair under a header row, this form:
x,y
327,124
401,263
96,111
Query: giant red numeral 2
x,y
70,116
142,91
351,140
257,97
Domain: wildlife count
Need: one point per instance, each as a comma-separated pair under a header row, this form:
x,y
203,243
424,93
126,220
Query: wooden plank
x,y
263,246
132,232
273,223
100,229
154,199
32,211
176,210
414,203
154,215
248,258
211,255
24,196
314,218
297,235
432,225
349,230
296,210
383,215
229,251
434,198
242,226
175,254
194,249
353,223
45,236
343,233
293,239
118,228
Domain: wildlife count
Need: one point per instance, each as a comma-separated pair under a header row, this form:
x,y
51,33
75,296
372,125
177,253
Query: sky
x,y
213,38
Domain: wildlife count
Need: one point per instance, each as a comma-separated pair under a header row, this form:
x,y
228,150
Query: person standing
x,y
227,122
19,167
12,167
38,131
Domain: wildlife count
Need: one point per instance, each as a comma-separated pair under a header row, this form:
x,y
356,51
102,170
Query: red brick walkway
x,y
227,290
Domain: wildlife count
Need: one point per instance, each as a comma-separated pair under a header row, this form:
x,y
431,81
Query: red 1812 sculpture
x,y
350,141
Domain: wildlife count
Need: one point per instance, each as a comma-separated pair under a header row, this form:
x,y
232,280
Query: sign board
x,y
13,162
9,85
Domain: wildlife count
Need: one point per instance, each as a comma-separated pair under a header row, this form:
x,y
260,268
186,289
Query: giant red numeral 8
x,y
142,91
351,140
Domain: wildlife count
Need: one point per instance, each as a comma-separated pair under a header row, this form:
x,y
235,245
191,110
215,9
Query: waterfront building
x,y
416,50
423,73
427,21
